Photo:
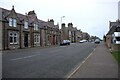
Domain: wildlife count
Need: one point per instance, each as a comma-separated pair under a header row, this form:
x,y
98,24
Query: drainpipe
x,y
4,36
20,37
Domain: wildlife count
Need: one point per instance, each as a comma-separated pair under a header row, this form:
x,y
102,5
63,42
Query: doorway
x,y
26,40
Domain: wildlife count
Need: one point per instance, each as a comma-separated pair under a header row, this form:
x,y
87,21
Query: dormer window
x,y
26,25
35,27
12,22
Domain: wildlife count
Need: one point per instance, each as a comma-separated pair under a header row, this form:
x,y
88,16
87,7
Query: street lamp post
x,y
61,30
61,20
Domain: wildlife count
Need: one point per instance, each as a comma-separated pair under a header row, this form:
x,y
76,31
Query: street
x,y
51,62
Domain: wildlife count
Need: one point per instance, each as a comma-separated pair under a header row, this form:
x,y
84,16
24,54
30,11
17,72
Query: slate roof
x,y
112,27
31,18
43,24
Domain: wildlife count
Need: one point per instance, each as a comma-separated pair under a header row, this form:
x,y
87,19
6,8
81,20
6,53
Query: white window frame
x,y
36,38
11,35
35,26
26,25
14,36
70,33
14,23
10,22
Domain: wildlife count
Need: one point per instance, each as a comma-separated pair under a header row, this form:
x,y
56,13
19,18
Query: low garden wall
x,y
115,47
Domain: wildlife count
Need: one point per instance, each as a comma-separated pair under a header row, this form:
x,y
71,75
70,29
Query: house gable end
x,y
13,14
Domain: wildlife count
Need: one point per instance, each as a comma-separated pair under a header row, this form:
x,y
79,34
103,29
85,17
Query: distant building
x,y
72,33
86,36
93,38
79,35
69,33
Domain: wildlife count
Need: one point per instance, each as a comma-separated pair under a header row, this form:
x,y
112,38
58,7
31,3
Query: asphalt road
x,y
52,62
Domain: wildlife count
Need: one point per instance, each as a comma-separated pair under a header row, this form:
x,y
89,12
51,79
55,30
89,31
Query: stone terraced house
x,y
70,33
20,31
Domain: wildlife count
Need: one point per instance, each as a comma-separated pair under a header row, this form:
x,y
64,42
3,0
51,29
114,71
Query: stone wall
x,y
109,40
115,47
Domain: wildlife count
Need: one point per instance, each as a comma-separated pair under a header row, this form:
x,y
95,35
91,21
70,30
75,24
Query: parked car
x,y
97,41
65,42
83,41
68,41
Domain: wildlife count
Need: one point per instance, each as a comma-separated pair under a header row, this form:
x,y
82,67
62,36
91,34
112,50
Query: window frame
x,y
14,37
36,38
11,36
35,26
10,22
26,25
14,22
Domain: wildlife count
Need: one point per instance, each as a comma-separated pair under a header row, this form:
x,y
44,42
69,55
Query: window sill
x,y
13,43
36,42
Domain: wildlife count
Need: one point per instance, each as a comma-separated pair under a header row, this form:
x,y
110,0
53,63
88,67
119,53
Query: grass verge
x,y
116,55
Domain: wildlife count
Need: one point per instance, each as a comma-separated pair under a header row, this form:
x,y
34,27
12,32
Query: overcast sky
x,y
90,16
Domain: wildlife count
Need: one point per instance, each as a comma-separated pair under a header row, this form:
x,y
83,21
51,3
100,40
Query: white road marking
x,y
32,56
63,46
75,70
24,57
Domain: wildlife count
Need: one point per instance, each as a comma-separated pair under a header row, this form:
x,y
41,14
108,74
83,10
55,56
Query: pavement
x,y
100,64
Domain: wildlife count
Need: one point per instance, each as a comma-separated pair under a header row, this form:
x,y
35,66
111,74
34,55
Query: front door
x,y
53,39
26,40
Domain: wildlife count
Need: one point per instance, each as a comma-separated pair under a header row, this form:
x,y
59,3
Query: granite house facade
x,y
23,31
71,33
20,31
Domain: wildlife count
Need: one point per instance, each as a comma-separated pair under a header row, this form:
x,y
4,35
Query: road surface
x,y
52,62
